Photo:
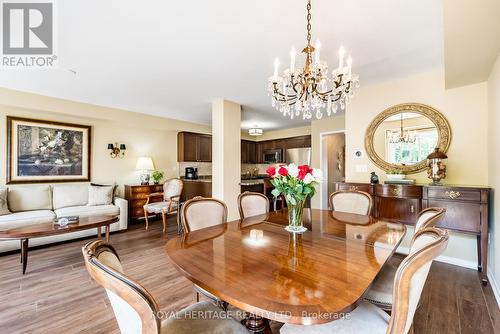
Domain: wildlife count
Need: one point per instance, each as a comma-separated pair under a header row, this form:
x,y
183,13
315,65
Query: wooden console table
x,y
466,208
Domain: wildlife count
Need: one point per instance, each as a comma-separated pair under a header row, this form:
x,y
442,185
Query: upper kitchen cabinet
x,y
194,147
297,142
248,152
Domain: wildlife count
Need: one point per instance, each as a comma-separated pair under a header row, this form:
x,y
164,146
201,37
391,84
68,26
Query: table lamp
x,y
145,165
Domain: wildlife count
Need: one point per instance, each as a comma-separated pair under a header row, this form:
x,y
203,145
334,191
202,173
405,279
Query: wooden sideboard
x,y
136,196
466,208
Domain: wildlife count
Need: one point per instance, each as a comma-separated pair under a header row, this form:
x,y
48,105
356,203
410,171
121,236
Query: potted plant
x,y
157,176
395,174
296,184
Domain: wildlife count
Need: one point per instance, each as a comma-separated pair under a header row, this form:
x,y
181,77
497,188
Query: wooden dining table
x,y
309,278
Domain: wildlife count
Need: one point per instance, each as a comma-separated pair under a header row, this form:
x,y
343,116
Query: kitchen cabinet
x,y
194,147
248,152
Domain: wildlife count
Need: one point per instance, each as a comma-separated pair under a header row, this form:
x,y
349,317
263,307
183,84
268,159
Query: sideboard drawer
x,y
398,191
147,189
472,195
366,187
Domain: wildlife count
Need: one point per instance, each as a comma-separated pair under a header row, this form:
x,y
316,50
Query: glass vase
x,y
295,212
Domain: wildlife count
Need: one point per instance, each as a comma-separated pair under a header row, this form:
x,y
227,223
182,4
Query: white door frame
x,y
324,186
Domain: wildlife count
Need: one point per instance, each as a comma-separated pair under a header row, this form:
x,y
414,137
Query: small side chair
x,y
171,195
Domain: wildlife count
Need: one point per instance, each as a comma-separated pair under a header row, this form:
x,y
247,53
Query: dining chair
x,y
380,293
410,279
352,201
252,204
136,310
171,195
202,212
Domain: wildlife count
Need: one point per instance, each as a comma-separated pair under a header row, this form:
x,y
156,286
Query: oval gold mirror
x,y
401,137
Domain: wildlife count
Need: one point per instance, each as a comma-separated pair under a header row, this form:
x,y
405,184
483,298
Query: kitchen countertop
x,y
251,182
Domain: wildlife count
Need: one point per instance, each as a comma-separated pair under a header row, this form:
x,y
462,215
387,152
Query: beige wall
x,y
494,167
143,134
318,127
468,152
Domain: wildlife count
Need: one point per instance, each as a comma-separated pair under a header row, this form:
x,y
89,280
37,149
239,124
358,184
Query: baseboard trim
x,y
494,287
446,259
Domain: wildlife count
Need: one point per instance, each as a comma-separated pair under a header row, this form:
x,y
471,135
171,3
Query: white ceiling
x,y
171,58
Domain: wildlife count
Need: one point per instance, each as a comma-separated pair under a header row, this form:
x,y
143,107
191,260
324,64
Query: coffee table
x,y
25,233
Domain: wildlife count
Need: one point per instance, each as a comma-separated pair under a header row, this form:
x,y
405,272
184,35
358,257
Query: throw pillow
x,y
100,195
4,208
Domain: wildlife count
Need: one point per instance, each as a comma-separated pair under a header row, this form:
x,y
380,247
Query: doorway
x,y
332,163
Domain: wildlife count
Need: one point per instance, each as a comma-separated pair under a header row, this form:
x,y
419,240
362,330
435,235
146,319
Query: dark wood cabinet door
x,y
404,210
187,147
204,148
298,142
251,152
460,216
244,152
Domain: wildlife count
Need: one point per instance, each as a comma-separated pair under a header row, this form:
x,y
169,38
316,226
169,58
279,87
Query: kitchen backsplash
x,y
204,168
249,167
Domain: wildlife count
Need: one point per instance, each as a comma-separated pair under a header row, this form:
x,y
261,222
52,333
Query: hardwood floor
x,y
57,295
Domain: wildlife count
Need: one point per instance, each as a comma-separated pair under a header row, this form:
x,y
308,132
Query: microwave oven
x,y
273,156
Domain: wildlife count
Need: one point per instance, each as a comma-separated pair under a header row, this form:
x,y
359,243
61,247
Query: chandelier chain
x,y
309,23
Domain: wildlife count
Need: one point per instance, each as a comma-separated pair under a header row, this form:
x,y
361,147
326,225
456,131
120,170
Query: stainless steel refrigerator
x,y
299,156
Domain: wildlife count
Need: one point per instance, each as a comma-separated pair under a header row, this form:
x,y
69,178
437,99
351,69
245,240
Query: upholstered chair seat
x,y
252,204
407,288
135,309
171,195
161,207
358,202
366,318
218,324
380,292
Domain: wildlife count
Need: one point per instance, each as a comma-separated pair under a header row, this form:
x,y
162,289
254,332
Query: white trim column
x,y
226,154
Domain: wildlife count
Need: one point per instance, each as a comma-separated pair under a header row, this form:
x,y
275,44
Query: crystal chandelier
x,y
402,135
312,89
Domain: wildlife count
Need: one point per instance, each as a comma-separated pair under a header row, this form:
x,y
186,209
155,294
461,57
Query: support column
x,y
226,154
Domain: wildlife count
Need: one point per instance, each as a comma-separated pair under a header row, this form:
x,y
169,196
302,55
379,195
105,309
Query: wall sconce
x,y
116,151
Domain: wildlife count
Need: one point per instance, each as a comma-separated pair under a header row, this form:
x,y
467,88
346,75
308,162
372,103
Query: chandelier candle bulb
x,y
341,57
349,65
292,60
318,49
276,67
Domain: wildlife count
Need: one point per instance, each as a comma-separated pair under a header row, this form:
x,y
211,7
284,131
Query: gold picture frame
x,y
40,151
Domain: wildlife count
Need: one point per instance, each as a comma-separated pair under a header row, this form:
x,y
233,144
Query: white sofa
x,y
43,203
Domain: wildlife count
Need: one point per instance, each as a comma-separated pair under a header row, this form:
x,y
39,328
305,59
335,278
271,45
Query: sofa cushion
x,y
4,208
100,195
65,195
88,211
24,218
30,198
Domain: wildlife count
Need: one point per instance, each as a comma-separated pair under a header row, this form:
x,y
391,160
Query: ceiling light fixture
x,y
255,131
311,88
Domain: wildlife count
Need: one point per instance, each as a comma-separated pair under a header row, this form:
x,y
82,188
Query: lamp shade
x,y
145,163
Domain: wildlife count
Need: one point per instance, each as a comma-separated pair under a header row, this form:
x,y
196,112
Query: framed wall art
x,y
45,151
